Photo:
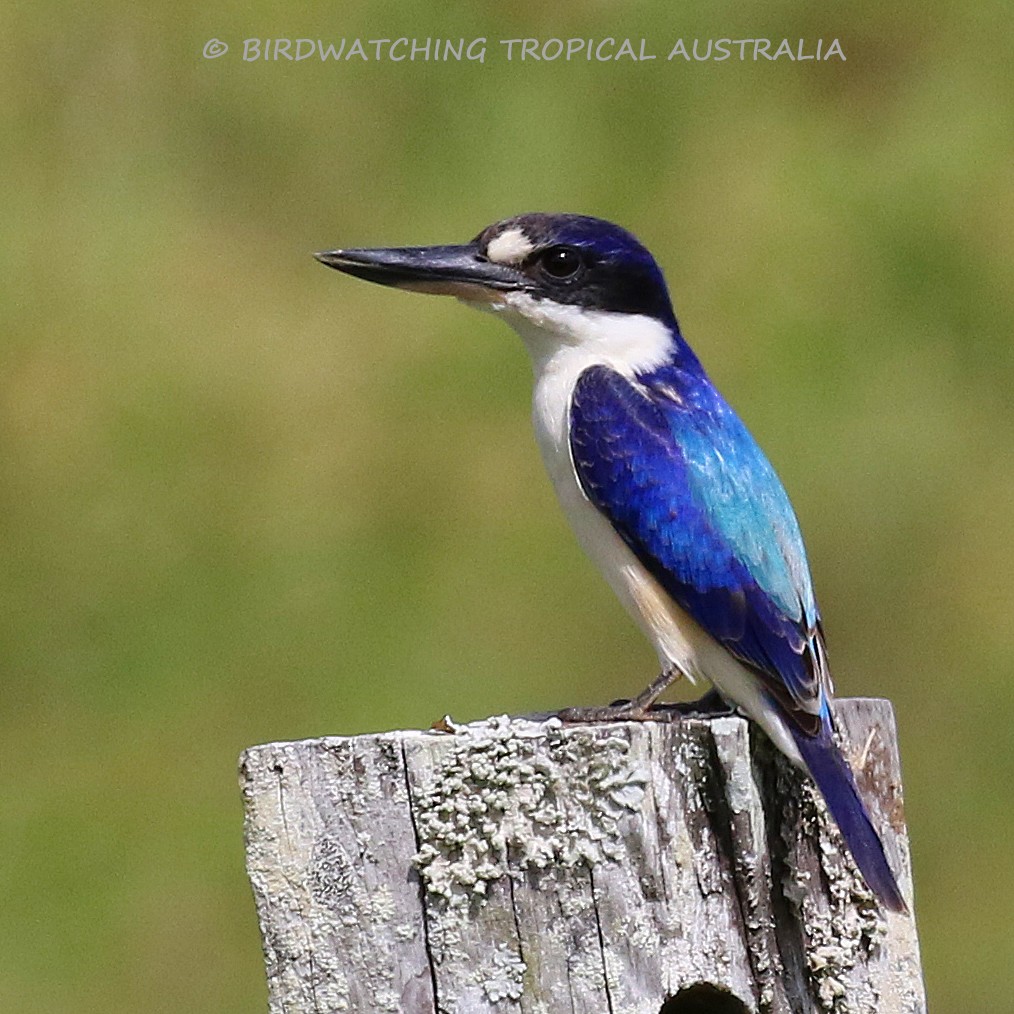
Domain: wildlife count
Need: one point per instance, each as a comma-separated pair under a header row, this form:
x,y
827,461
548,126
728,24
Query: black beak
x,y
460,271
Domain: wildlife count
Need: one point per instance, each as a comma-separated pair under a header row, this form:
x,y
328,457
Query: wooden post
x,y
526,866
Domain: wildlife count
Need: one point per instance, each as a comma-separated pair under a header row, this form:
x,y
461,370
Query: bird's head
x,y
559,276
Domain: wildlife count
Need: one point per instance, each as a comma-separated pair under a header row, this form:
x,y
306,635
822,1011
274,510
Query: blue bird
x,y
665,487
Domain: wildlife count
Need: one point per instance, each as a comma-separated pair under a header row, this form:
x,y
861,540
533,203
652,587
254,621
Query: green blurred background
x,y
246,499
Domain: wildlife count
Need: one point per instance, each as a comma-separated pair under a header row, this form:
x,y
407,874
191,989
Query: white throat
x,y
564,340
628,342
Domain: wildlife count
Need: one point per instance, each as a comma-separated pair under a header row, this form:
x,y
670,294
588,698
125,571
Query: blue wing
x,y
690,492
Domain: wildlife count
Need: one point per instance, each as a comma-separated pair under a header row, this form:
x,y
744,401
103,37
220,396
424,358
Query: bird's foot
x,y
711,705
638,710
618,711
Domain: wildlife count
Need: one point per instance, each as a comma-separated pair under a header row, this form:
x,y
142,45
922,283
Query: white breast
x,y
563,342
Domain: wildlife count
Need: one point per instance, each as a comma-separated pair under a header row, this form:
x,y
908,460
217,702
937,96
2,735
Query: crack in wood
x,y
424,914
514,909
602,943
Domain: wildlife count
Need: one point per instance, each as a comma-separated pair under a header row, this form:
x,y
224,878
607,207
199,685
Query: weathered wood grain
x,y
525,866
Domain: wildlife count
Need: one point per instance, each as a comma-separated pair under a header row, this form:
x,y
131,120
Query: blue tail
x,y
837,784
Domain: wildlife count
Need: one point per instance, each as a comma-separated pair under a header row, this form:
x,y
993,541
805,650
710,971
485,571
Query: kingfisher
x,y
666,489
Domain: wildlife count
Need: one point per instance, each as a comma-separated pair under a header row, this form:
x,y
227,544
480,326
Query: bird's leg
x,y
640,709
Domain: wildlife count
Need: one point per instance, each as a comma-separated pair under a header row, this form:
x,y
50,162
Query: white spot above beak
x,y
510,247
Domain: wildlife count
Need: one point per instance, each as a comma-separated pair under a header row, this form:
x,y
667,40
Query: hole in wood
x,y
703,998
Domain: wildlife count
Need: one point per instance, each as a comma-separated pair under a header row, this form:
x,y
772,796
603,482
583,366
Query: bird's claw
x,y
711,705
619,711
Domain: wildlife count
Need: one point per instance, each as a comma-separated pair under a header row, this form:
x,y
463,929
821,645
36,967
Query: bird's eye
x,y
561,262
